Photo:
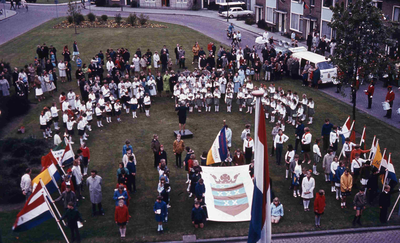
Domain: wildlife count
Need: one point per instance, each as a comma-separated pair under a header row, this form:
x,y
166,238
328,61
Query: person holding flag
x,y
73,216
306,145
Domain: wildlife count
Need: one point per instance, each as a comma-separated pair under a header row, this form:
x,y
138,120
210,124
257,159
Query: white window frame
x,y
273,15
291,19
179,1
395,6
321,34
312,1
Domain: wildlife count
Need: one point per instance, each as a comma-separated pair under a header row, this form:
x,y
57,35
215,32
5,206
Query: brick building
x,y
304,16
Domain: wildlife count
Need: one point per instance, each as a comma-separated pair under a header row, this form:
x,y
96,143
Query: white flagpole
x,y
362,136
58,223
350,131
341,152
48,194
383,157
395,204
373,142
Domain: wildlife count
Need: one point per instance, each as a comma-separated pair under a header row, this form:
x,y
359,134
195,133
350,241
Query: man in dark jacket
x,y
325,133
67,196
384,203
372,185
73,216
198,215
298,133
309,41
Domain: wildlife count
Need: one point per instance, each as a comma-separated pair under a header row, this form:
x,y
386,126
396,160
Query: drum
x,y
385,106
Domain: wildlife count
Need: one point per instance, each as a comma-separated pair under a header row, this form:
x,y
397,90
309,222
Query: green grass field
x,y
106,146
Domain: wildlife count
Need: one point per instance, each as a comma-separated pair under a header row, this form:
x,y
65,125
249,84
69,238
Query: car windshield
x,y
325,65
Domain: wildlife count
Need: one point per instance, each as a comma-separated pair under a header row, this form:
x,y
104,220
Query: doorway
x,y
205,3
281,23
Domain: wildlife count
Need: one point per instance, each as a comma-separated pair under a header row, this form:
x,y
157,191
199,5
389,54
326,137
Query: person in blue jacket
x,y
120,194
160,211
198,215
200,189
126,147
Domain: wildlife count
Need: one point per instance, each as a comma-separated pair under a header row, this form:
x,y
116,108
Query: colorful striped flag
x,y
260,224
32,214
219,150
49,176
346,130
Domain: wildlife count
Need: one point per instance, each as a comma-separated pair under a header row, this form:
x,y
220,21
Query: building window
x,y
221,1
179,1
377,3
269,15
326,30
295,22
312,2
396,14
328,3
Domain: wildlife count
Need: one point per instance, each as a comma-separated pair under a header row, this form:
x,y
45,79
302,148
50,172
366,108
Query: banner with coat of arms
x,y
229,193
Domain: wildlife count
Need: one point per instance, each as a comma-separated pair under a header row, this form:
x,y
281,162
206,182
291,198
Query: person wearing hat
x,y
389,98
370,92
72,216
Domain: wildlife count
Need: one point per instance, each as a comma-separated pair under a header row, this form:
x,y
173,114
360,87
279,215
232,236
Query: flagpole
x,y
47,192
395,204
362,136
58,223
383,157
373,142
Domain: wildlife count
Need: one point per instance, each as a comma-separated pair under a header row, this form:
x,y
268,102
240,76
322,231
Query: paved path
x,y
7,14
204,21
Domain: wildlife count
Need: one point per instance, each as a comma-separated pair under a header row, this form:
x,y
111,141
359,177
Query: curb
x,y
299,234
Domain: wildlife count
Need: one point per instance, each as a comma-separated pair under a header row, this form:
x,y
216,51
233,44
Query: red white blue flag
x,y
260,224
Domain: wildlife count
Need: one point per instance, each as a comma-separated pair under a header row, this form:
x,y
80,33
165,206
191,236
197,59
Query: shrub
x,y
135,4
115,5
261,24
104,17
70,19
91,17
213,6
118,18
132,18
143,19
79,19
101,3
250,21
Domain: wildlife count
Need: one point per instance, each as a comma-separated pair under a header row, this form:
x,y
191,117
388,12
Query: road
x,y
204,21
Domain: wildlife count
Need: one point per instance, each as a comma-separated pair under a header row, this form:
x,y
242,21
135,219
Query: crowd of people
x,y
131,86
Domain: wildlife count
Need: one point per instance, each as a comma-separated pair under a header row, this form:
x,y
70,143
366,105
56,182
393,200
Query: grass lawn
x,y
106,145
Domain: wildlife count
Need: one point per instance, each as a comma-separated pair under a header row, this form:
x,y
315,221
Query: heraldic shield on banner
x,y
229,192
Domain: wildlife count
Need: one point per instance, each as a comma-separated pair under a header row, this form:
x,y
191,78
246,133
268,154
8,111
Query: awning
x,y
280,11
309,17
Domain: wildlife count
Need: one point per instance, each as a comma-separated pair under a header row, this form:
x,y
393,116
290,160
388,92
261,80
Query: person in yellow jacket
x,y
346,183
178,147
195,50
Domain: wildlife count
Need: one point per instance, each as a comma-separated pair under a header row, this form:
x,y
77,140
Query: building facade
x,y
305,16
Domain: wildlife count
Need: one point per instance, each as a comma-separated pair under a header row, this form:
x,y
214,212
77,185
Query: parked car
x,y
235,12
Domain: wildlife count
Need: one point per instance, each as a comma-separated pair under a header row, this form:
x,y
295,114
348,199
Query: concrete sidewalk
x,y
7,14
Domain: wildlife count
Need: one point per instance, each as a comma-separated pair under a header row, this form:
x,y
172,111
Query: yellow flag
x,y
377,158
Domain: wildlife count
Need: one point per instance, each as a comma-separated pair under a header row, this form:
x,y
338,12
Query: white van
x,y
326,67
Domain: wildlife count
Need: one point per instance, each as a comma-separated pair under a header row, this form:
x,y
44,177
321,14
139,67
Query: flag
x,y
377,157
49,176
219,150
59,150
346,128
305,5
32,215
391,172
260,224
68,155
48,160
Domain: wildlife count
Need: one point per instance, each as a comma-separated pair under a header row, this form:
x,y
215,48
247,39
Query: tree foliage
x,y
74,10
362,34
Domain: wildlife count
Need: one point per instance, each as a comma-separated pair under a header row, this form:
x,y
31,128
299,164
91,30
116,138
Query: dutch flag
x,y
260,224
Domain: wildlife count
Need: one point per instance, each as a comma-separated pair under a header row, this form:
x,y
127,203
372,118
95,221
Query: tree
x,y
74,10
362,34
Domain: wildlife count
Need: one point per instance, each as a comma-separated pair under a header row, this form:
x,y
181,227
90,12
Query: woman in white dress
x,y
152,86
156,60
307,185
38,88
62,71
49,84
